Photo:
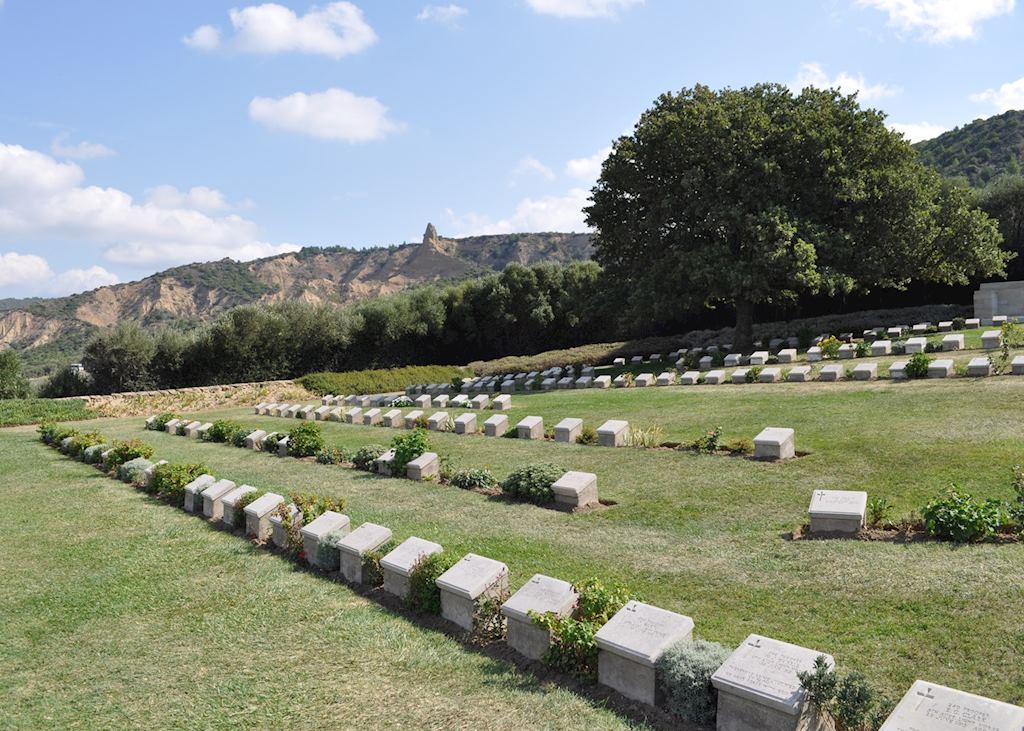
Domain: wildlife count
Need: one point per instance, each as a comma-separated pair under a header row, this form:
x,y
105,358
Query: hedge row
x,y
381,380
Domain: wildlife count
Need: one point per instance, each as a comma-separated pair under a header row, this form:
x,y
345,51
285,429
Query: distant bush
x,y
474,479
81,442
364,456
379,380
408,447
424,594
160,422
17,412
588,435
532,483
684,676
305,440
223,430
65,382
961,518
332,455
54,434
169,481
917,366
573,649
125,451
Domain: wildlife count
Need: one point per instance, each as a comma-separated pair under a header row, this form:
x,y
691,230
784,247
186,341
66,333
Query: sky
x,y
136,136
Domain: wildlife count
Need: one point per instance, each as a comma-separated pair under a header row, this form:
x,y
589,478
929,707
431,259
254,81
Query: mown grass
x,y
704,535
117,611
14,412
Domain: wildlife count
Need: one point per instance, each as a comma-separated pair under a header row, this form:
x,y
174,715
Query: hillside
x,y
53,329
979,151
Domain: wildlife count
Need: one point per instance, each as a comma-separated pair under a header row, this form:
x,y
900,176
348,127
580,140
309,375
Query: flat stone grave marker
x,y
953,342
584,382
530,427
991,339
423,401
472,579
980,367
230,513
195,430
255,439
618,361
568,430
837,511
770,375
541,594
916,345
714,377
548,383
459,401
972,323
941,368
881,347
278,534
351,549
194,490
465,424
393,419
437,421
865,372
833,372
630,644
932,707
480,402
171,427
189,428
398,564
787,355
425,466
382,465
690,378
759,358
321,413
758,687
316,539
644,380
575,490
354,415
847,351
739,375
502,403
666,378
496,426
372,417
257,515
412,417
213,508
613,433
799,374
306,412
508,386
1017,365
705,362
814,354
775,443
733,359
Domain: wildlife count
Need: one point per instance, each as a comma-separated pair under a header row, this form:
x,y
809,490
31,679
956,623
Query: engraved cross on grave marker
x,y
756,643
925,696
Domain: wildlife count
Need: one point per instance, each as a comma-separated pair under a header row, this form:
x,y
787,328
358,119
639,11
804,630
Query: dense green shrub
x,y
379,380
54,434
223,430
830,347
588,435
160,422
15,412
93,455
850,701
133,470
305,440
373,575
474,479
961,518
169,480
532,483
424,594
81,442
332,455
709,442
684,677
13,384
917,366
126,450
573,649
364,456
408,447
878,510
239,513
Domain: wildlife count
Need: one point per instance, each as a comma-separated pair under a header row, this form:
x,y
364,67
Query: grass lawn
x,y
701,535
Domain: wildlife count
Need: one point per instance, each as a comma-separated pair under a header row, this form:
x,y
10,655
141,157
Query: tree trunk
x,y
743,337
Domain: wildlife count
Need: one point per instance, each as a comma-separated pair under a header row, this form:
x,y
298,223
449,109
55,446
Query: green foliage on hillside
x,y
232,278
979,151
378,380
14,412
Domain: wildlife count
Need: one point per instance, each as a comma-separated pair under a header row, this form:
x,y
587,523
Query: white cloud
x,y
199,198
549,213
81,280
337,29
529,166
582,8
32,274
1008,96
204,38
587,168
444,14
919,131
940,21
43,199
813,74
61,147
335,114
23,269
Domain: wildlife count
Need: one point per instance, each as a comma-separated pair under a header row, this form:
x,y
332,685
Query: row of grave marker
x,y
758,685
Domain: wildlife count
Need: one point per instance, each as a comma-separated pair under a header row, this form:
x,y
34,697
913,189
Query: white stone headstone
x,y
931,707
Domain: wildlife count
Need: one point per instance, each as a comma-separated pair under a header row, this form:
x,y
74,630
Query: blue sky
x,y
140,135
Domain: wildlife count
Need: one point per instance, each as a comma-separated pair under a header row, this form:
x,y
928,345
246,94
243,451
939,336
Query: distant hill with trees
x,y
980,151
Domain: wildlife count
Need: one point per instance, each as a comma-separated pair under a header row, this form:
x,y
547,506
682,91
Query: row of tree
x,y
520,310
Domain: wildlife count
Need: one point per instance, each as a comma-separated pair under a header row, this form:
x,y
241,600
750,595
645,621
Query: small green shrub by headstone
x,y
532,483
684,676
305,440
424,594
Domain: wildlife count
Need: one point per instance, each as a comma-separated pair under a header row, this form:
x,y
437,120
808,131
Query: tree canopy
x,y
12,383
1003,200
753,196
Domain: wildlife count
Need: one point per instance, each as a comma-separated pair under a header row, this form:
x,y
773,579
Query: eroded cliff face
x,y
201,291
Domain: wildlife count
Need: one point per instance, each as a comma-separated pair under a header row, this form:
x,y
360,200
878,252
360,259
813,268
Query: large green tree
x,y
745,197
1003,200
12,383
